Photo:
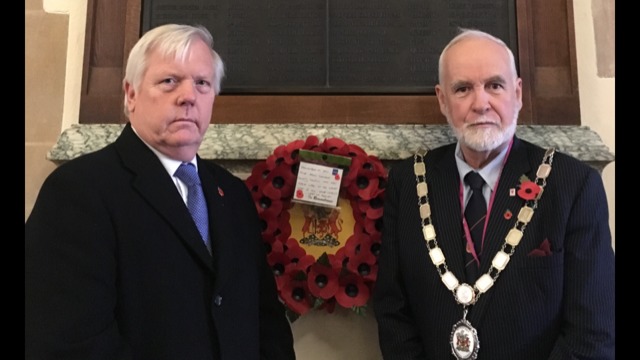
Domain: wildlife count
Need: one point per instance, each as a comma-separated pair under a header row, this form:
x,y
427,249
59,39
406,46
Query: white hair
x,y
169,40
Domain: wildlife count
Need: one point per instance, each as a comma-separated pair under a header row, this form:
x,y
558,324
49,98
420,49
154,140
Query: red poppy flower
x,y
528,190
362,242
278,262
372,226
283,230
254,183
363,264
335,146
373,207
356,151
276,158
293,248
292,151
274,225
339,259
301,264
296,295
269,222
311,143
363,184
260,171
355,243
268,205
277,246
358,228
352,291
279,183
376,242
351,173
362,253
322,281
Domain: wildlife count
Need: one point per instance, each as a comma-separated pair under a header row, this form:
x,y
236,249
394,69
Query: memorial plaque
x,y
334,46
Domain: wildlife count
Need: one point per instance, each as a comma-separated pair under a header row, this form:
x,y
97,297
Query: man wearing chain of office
x,y
520,268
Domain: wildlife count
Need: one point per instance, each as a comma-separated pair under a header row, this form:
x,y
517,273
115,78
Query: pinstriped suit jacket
x,y
559,306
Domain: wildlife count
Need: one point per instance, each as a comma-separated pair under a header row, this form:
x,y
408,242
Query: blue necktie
x,y
475,214
195,199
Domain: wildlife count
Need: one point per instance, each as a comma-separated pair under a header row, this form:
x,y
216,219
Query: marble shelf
x,y
239,146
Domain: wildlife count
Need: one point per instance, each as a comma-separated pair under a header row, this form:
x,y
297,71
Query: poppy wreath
x,y
344,278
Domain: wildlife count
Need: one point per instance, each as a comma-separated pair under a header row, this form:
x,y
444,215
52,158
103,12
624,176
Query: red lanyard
x,y
465,226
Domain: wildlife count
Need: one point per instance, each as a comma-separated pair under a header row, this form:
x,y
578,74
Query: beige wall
x,y
44,78
595,25
54,34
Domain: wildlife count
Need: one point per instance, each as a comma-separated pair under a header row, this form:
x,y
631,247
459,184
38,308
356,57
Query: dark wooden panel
x,y
103,62
558,110
525,51
547,65
554,82
106,109
332,109
107,49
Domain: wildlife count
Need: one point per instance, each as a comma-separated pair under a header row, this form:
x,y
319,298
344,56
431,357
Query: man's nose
x,y
187,93
480,100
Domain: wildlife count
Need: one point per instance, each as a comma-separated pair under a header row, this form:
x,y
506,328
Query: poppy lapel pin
x,y
528,190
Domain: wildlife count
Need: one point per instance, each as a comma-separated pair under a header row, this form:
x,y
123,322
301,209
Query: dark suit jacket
x,y
115,267
559,306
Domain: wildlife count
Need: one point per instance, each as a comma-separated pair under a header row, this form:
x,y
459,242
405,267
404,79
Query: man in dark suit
x,y
537,282
115,266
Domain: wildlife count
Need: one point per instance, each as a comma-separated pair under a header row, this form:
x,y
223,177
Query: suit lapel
x,y
223,224
505,207
444,189
218,219
500,224
156,186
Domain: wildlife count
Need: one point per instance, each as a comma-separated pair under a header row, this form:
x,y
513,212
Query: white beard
x,y
485,139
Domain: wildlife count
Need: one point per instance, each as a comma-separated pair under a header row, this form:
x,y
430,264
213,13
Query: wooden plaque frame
x,y
546,52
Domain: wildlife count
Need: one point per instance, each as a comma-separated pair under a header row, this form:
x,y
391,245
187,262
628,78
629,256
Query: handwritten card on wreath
x,y
318,184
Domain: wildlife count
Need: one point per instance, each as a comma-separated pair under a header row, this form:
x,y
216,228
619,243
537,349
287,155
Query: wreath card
x,y
319,178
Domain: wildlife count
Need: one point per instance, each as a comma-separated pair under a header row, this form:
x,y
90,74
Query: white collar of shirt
x,y
490,173
171,166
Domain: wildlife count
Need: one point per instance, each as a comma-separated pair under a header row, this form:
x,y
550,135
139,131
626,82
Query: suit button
x,y
217,300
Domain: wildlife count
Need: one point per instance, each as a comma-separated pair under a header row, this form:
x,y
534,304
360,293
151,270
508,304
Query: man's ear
x,y
441,102
130,95
519,92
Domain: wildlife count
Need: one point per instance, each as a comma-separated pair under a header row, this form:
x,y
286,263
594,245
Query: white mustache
x,y
483,120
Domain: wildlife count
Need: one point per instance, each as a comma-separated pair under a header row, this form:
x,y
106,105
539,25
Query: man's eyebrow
x,y
496,79
460,83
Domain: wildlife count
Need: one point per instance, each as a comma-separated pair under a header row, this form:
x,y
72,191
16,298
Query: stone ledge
x,y
239,146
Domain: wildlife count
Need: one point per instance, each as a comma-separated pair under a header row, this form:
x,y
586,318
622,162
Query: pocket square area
x,y
543,250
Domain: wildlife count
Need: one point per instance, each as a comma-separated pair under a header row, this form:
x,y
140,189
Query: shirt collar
x,y
490,172
169,164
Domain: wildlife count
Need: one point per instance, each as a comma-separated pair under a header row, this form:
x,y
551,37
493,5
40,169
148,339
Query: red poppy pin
x,y
220,191
528,190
